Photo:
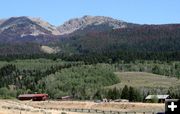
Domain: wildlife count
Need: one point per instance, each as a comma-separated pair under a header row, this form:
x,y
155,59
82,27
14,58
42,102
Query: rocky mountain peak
x,y
2,21
81,23
24,26
46,25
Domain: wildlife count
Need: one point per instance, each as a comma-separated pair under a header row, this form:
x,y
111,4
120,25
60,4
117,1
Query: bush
x,y
6,93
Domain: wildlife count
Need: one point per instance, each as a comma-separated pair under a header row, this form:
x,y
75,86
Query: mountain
x,y
25,35
24,26
46,25
1,21
21,27
91,23
143,38
26,29
86,35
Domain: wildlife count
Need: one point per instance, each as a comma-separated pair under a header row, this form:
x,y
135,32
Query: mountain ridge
x,y
68,27
90,34
81,23
33,26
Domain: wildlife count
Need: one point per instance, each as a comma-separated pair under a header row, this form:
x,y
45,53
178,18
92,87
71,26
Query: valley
x,y
87,59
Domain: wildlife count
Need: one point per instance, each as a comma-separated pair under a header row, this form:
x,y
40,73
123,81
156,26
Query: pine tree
x,y
132,96
125,92
115,93
97,95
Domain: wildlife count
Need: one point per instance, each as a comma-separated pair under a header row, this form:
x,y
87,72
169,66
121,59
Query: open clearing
x,y
54,107
19,107
142,79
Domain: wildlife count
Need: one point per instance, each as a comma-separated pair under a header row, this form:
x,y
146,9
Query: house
x,y
160,98
34,97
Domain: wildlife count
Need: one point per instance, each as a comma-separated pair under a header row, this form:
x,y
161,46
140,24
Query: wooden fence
x,y
93,111
96,111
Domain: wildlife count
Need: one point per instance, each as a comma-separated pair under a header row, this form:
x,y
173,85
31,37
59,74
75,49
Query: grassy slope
x,y
147,80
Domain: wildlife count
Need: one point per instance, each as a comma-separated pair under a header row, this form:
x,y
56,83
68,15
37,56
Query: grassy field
x,y
147,80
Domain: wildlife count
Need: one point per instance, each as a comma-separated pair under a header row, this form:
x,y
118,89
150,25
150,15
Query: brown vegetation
x,y
54,107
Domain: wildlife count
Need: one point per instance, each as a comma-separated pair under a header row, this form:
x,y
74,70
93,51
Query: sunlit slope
x,y
145,80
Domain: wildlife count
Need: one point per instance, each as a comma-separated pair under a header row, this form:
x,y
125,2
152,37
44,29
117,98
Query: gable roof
x,y
157,96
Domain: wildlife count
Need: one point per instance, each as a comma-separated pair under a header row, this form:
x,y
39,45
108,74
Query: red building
x,y
34,97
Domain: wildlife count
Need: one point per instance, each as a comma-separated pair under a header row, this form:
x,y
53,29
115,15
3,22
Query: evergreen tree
x,y
116,93
125,92
132,94
97,95
155,70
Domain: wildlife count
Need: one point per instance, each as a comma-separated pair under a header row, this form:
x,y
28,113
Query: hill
x,y
145,80
55,77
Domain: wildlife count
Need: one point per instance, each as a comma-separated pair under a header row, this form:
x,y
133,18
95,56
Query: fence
x,y
93,111
103,111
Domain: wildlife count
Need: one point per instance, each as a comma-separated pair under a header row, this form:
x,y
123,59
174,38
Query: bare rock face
x,y
22,26
46,25
1,21
25,26
81,23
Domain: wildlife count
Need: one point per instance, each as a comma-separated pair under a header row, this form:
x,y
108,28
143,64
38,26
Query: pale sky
x,y
58,11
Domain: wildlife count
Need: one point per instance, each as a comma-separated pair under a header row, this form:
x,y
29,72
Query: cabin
x,y
160,98
33,97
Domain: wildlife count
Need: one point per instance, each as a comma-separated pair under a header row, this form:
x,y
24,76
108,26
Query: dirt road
x,y
55,107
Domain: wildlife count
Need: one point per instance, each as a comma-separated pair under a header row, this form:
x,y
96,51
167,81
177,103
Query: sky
x,y
57,12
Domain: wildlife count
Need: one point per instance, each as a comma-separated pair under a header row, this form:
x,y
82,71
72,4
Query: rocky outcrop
x,y
81,23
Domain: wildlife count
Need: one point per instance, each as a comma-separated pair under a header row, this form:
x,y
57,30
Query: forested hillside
x,y
134,42
57,78
152,38
81,80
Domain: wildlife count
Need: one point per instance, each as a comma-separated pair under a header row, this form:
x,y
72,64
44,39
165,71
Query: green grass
x,y
145,80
